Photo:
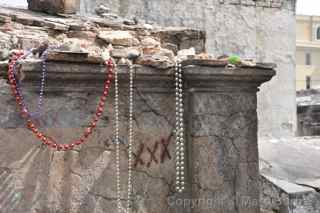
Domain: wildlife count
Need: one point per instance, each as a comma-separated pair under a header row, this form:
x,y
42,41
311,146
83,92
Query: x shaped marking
x,y
137,156
165,150
152,154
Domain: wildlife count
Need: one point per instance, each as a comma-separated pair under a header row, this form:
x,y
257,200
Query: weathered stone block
x,y
121,38
54,7
221,139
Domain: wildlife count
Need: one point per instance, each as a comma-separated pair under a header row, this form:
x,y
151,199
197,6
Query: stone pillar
x,y
221,133
222,120
55,6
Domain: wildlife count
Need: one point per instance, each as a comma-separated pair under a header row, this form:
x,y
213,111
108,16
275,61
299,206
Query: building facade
x,y
308,52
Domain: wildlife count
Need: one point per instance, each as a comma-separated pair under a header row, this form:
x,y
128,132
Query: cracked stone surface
x,y
221,126
224,128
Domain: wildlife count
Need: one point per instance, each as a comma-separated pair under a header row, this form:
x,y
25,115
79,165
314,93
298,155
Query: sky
x,y
305,7
15,3
308,7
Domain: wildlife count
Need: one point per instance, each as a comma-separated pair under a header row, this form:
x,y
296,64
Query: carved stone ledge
x,y
195,76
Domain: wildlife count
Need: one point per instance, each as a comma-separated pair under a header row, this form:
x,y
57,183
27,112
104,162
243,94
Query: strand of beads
x,y
131,136
117,141
47,140
42,83
179,129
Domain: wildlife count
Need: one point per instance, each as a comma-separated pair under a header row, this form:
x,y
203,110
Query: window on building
x,y
308,59
318,33
308,82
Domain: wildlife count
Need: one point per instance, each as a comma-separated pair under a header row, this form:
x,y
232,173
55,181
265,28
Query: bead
x,y
48,142
44,139
78,142
93,124
100,109
35,130
103,99
13,81
18,99
95,119
39,135
101,104
30,125
20,104
105,93
88,132
24,113
66,147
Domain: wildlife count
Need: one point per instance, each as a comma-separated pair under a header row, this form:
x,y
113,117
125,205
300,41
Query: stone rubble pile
x,y
145,44
148,44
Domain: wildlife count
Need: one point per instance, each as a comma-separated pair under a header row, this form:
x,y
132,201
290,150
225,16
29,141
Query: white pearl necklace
x,y
130,155
179,129
117,141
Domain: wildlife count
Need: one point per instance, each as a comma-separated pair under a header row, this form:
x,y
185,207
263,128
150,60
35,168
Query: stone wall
x,y
280,196
290,180
272,197
263,30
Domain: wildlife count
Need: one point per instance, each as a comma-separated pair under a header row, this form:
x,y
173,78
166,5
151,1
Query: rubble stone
x,y
124,52
121,38
110,16
4,54
158,58
150,42
186,52
28,30
4,19
57,26
87,35
101,9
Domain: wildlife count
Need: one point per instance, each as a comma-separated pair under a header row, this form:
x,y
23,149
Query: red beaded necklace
x,y
45,139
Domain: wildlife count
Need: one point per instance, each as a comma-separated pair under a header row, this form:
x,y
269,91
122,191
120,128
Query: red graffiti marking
x,y
165,150
152,154
137,156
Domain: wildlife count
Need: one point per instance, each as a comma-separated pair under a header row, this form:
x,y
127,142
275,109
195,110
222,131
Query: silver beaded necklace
x,y
130,143
179,129
43,57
